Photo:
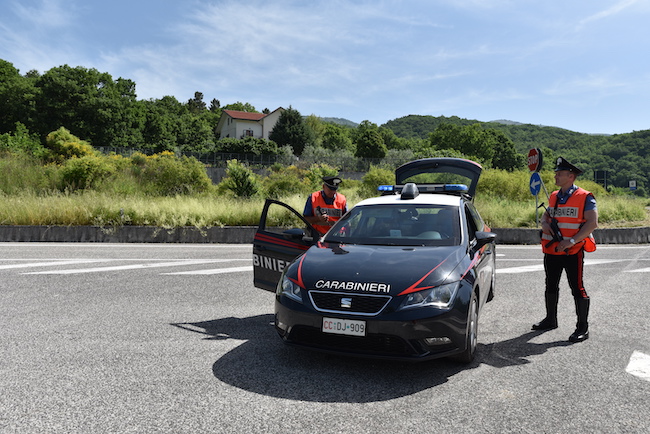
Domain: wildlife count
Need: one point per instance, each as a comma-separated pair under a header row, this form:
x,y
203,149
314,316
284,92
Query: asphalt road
x,y
174,338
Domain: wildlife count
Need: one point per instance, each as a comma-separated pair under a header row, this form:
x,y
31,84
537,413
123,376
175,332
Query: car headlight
x,y
290,289
439,296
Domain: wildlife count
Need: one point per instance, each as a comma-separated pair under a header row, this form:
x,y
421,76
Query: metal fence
x,y
220,159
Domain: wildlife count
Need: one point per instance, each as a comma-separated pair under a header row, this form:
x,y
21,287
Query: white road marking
x,y
540,267
129,267
524,269
639,270
639,365
49,264
214,271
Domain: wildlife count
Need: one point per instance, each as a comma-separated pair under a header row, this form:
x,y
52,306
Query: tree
x,y
506,156
91,104
337,138
196,104
241,107
290,129
158,130
390,139
317,127
215,106
369,142
17,96
194,134
470,140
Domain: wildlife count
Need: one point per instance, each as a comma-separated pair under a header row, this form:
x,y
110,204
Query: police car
x,y
401,276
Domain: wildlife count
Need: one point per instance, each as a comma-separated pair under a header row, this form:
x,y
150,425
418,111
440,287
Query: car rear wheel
x,y
472,332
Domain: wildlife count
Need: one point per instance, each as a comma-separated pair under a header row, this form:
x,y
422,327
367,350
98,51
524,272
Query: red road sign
x,y
535,160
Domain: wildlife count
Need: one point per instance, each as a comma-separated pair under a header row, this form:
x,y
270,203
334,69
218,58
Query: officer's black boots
x,y
582,327
550,322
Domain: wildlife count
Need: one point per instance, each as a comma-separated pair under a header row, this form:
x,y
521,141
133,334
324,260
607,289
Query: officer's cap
x,y
563,164
332,182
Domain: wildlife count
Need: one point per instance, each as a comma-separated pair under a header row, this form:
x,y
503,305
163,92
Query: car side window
x,y
472,226
480,225
281,219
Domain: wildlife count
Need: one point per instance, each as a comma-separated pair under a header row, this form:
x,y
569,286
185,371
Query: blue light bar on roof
x,y
426,188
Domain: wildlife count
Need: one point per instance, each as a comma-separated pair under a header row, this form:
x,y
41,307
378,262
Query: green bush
x,y
497,183
316,173
84,172
240,180
64,145
375,177
22,142
247,145
165,174
285,182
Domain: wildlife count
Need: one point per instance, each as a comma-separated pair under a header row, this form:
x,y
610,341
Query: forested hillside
x,y
625,157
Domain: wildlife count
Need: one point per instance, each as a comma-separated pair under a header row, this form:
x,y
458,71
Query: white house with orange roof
x,y
240,125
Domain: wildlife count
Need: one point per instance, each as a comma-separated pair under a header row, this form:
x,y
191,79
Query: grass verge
x,y
106,209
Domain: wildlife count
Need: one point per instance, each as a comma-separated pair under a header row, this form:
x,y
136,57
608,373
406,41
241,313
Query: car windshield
x,y
415,225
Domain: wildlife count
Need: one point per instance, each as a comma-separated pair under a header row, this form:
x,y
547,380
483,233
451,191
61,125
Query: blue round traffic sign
x,y
535,183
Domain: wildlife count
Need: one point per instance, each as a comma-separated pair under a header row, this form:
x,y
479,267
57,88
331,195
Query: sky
x,y
581,65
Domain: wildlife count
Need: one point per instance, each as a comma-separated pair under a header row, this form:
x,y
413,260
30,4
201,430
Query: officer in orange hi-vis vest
x,y
325,207
572,210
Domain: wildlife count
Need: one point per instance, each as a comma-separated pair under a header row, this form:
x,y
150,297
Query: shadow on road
x,y
262,364
515,351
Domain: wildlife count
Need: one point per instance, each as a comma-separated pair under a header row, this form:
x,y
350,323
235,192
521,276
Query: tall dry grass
x,y
28,196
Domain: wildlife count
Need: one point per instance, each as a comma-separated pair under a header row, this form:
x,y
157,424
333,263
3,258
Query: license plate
x,y
344,326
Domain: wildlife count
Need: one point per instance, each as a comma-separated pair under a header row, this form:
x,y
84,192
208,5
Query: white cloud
x,y
597,85
610,11
48,14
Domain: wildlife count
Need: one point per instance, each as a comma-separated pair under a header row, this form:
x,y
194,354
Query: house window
x,y
248,133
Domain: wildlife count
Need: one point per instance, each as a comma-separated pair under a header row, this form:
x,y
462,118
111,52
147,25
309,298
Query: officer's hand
x,y
563,246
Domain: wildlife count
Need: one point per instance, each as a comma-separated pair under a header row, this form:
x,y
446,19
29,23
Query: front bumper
x,y
414,334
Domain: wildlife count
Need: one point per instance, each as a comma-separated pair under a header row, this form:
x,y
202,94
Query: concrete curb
x,y
602,236
245,234
128,234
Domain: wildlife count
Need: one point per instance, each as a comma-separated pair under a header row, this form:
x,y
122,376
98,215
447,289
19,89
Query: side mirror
x,y
483,238
294,234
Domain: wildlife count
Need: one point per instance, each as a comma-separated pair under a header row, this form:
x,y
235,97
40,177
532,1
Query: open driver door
x,y
274,247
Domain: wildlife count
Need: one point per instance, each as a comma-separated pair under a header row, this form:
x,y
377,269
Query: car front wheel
x,y
472,332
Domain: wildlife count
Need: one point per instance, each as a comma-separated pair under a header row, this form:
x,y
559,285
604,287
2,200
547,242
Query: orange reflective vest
x,y
570,218
333,211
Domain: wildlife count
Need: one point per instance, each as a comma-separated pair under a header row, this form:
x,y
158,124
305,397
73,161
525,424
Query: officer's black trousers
x,y
573,265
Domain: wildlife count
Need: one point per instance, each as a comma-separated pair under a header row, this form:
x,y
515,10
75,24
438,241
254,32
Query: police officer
x,y
575,212
325,207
